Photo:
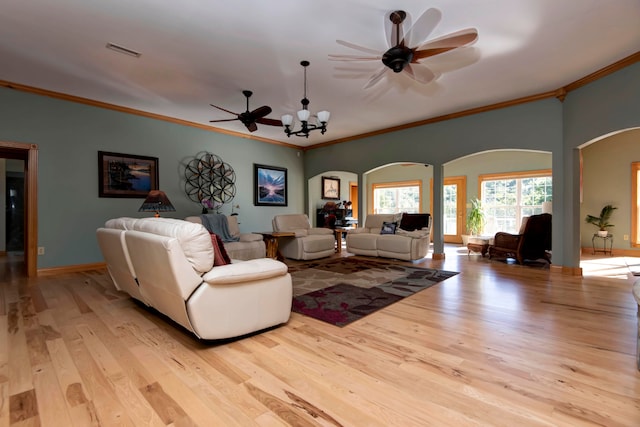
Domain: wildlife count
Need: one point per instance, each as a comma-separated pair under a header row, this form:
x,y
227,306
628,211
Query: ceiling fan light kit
x,y
304,115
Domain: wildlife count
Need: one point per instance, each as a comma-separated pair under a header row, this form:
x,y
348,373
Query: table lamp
x,y
157,202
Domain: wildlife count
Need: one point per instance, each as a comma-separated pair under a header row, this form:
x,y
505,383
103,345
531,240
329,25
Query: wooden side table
x,y
478,244
340,232
271,242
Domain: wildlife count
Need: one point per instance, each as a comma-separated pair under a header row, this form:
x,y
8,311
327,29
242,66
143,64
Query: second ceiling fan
x,y
406,50
250,118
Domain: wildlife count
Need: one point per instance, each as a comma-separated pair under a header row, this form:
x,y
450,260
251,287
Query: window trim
x,y
381,185
511,175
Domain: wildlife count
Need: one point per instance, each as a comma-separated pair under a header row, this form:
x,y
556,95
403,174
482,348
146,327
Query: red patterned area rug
x,y
340,291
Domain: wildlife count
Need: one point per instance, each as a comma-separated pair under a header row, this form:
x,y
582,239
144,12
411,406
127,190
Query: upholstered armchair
x,y
532,243
307,242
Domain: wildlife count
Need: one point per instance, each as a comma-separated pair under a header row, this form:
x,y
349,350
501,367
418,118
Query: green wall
x,y
69,136
531,126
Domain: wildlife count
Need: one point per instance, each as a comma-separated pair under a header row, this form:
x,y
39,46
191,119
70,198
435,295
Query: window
x,y
396,197
506,198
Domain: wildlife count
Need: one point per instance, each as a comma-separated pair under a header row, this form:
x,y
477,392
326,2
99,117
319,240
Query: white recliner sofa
x,y
168,264
409,243
308,243
248,246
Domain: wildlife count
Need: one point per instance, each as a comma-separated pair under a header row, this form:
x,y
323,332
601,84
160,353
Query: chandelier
x,y
303,115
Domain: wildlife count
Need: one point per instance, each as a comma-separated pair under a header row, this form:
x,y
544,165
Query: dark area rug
x,y
340,291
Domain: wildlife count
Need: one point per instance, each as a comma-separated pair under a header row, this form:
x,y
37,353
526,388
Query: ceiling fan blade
x,y
420,73
252,126
220,108
224,120
358,47
260,112
269,122
354,58
422,27
376,77
445,43
455,39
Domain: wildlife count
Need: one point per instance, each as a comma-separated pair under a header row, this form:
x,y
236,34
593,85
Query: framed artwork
x,y
270,185
126,175
330,188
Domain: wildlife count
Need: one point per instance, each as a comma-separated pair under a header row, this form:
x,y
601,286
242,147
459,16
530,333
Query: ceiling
x,y
198,52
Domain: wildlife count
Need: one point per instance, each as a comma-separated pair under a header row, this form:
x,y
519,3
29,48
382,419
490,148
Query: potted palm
x,y
602,221
475,218
475,221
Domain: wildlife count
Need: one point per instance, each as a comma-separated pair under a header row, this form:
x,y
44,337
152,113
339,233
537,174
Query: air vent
x,y
124,50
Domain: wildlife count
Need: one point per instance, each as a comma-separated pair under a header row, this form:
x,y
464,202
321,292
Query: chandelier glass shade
x,y
304,115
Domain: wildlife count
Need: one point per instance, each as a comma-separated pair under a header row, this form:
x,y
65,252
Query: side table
x,y
271,242
605,239
340,232
478,244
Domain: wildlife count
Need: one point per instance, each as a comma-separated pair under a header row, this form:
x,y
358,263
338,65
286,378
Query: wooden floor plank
x,y
51,400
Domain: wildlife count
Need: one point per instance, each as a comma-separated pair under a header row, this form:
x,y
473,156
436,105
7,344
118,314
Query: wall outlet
x,y
40,250
625,237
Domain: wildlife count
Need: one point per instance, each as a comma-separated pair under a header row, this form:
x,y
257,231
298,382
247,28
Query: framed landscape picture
x,y
330,188
270,185
126,175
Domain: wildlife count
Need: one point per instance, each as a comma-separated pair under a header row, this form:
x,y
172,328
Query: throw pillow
x,y
389,228
220,256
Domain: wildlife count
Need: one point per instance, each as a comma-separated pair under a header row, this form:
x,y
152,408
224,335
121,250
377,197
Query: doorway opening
x,y
22,190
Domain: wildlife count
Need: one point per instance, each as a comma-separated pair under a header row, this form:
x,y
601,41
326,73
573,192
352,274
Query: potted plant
x,y
475,218
475,221
602,221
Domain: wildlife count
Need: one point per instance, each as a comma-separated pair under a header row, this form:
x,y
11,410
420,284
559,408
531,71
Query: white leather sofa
x,y
167,264
403,244
308,242
248,246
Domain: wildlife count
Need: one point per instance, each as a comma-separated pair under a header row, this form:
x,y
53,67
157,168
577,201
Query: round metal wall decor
x,y
208,177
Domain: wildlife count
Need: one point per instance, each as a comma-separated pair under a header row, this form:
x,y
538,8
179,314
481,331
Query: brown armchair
x,y
533,242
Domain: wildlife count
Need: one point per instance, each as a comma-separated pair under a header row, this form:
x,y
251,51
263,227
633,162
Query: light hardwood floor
x,y
496,345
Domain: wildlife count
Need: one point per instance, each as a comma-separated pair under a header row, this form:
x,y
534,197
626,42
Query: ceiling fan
x,y
401,56
250,118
